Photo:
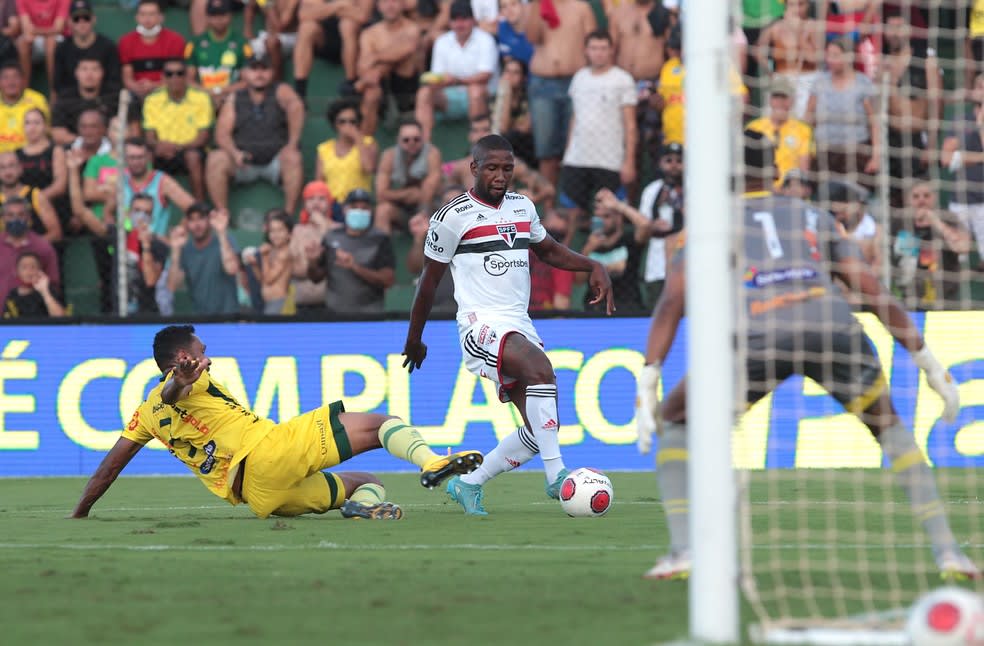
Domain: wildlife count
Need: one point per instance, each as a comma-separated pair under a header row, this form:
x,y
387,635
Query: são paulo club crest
x,y
508,232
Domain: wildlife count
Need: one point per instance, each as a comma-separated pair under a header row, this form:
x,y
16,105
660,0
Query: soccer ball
x,y
949,616
586,493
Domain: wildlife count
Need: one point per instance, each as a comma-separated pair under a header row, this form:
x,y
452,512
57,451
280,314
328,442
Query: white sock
x,y
541,411
514,450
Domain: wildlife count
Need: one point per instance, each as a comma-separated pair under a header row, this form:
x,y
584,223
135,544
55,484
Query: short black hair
x,y
280,215
27,254
408,121
487,144
14,201
137,141
599,34
89,56
97,110
153,2
168,341
141,197
201,208
340,106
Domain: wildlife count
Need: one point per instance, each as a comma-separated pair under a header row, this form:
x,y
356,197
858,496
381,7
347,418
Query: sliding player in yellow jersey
x,y
274,468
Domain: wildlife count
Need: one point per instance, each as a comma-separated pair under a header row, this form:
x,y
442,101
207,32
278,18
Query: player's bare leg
x,y
916,478
368,431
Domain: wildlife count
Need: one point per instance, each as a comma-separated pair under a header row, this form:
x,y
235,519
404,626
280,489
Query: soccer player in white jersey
x,y
484,235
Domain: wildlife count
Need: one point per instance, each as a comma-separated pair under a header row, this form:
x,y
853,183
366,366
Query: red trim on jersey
x,y
492,230
471,194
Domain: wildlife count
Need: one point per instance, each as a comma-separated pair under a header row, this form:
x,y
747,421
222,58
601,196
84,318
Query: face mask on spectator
x,y
149,33
16,228
139,218
358,219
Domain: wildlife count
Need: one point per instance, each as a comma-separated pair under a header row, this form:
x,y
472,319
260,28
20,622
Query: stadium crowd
x,y
592,101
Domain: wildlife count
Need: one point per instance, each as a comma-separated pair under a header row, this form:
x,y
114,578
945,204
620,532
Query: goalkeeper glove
x,y
941,381
649,418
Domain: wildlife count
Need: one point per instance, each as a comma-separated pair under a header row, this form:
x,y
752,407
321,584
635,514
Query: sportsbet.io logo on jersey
x,y
496,265
432,239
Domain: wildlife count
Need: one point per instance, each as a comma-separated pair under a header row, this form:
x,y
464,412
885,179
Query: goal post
x,y
714,616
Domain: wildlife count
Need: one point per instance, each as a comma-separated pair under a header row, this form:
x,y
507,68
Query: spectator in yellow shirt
x,y
670,90
16,100
793,139
178,118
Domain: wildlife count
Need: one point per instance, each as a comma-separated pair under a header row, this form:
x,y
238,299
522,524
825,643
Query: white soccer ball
x,y
586,493
949,616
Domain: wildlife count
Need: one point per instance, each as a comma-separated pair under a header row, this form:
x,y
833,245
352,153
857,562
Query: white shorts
x,y
250,173
287,43
481,346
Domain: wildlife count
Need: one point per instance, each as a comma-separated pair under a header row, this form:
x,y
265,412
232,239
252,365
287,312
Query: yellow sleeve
x,y
806,142
137,430
151,113
206,116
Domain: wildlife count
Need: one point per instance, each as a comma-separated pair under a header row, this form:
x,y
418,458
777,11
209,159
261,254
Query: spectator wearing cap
x,y
356,261
329,30
42,23
463,74
85,44
16,99
557,29
258,134
216,56
792,139
18,238
601,147
144,51
408,178
89,92
349,159
795,183
312,226
177,120
203,254
659,218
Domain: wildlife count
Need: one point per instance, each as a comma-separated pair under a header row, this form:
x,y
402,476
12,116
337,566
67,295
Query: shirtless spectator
x,y
638,44
464,66
557,29
793,44
530,183
271,262
329,30
409,175
387,63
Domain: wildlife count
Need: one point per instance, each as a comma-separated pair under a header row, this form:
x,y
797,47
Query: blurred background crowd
x,y
283,157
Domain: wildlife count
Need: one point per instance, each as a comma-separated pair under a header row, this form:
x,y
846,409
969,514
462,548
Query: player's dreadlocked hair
x,y
168,341
487,144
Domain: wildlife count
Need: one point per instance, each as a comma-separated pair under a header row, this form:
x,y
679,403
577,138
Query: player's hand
x,y
941,381
415,353
649,418
188,369
601,286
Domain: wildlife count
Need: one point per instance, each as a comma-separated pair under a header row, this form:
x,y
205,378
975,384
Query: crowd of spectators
x,y
595,112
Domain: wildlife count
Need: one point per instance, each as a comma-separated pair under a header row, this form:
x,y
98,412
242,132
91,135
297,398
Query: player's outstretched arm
x,y
117,458
414,348
861,279
186,372
560,256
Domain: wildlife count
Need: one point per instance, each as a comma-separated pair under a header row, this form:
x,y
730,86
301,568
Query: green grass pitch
x,y
162,561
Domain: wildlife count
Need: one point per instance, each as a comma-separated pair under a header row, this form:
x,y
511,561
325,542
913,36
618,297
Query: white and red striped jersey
x,y
488,250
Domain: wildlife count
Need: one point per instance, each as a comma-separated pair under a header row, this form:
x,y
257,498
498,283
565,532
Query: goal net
x,y
874,112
